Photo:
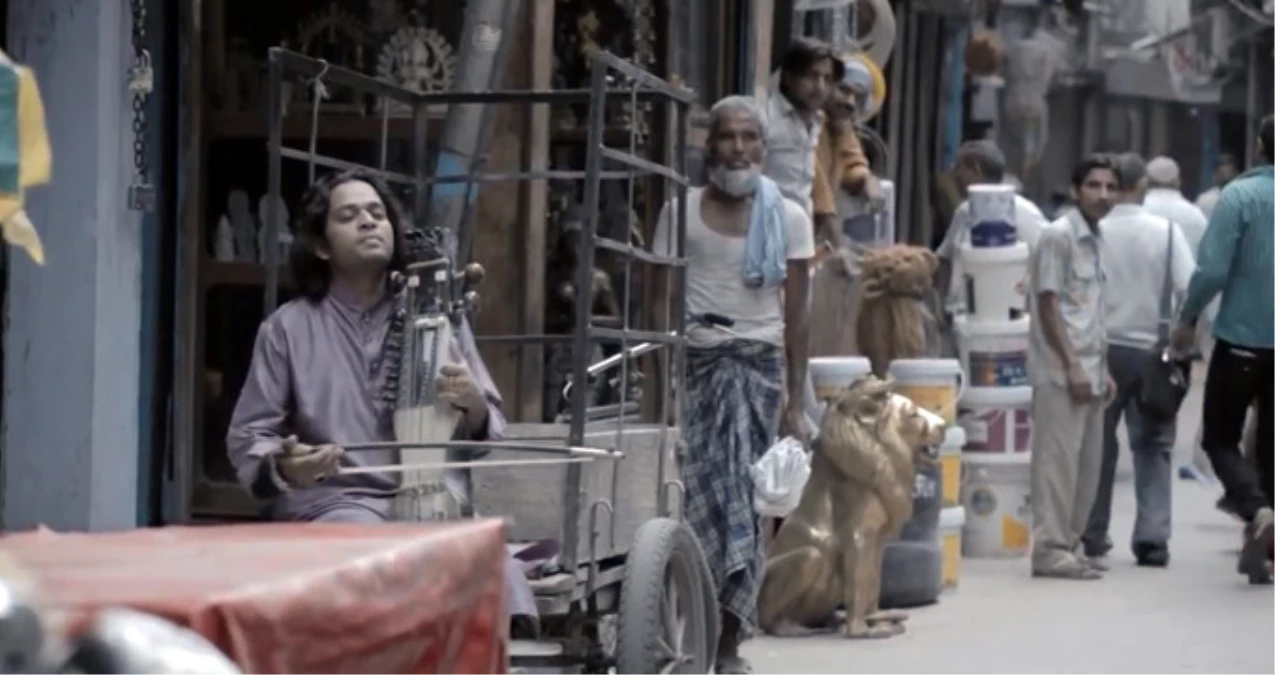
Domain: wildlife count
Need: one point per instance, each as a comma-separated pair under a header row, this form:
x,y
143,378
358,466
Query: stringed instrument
x,y
433,299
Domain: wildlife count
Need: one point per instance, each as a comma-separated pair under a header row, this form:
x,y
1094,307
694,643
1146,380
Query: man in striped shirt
x,y
1237,259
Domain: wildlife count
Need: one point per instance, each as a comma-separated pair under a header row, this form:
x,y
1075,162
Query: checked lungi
x,y
735,391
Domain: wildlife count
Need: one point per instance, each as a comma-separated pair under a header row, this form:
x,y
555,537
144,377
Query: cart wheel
x,y
663,622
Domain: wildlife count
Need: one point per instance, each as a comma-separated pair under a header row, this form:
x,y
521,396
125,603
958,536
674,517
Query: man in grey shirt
x,y
1070,384
318,370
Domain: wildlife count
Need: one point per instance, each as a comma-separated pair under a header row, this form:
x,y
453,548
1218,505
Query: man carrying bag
x,y
1150,260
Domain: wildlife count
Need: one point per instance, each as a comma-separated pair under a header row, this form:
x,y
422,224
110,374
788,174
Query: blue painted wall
x,y
72,337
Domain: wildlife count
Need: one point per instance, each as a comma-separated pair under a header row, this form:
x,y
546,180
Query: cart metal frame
x,y
573,619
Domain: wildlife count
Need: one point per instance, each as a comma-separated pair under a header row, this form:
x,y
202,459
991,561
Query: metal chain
x,y
141,82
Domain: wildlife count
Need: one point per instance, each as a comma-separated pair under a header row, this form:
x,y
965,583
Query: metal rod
x,y
608,60
274,182
636,253
433,466
615,359
342,165
583,279
556,449
306,66
621,334
404,179
643,165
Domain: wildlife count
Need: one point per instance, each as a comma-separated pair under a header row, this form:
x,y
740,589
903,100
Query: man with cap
x,y
1142,248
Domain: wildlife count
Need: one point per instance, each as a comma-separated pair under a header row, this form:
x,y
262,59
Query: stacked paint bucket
x,y
995,411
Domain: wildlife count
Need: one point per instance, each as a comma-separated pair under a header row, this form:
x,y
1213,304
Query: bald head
x,y
1131,177
1163,172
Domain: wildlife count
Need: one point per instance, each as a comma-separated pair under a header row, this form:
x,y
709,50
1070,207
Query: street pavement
x,y
1196,616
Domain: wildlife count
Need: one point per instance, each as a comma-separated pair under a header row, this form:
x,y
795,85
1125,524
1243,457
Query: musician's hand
x,y
302,465
456,386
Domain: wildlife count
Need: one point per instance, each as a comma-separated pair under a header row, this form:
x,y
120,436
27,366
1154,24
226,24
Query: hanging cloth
x,y
26,158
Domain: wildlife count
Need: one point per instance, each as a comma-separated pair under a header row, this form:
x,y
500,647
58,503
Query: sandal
x,y
734,665
1259,537
1067,568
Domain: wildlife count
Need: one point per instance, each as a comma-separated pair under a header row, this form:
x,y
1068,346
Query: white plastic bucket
x,y
996,494
951,523
992,215
950,462
997,419
994,353
933,384
995,280
832,373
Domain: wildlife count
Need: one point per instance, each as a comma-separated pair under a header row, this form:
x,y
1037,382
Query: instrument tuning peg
x,y
473,274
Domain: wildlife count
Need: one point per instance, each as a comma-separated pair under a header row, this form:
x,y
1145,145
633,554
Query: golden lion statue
x,y
828,552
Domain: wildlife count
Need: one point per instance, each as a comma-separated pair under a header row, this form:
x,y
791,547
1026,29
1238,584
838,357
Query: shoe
x,y
1259,539
1151,554
1069,567
1227,506
1098,562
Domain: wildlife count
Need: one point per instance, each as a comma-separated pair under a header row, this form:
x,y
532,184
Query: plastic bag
x,y
779,477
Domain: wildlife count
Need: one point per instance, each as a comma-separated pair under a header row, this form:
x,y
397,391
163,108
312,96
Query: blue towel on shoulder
x,y
766,250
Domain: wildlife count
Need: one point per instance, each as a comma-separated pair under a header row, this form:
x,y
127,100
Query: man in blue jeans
x,y
1146,252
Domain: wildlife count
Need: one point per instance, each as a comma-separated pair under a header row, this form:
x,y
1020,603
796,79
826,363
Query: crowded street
x,y
1195,616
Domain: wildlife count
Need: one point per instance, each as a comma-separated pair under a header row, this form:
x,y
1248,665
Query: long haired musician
x,y
319,365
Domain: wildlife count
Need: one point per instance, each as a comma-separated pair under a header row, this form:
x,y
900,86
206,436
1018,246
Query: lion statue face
x,y
869,411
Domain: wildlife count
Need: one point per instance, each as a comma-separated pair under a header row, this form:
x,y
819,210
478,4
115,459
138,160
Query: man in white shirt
x,y
1142,248
977,162
1164,199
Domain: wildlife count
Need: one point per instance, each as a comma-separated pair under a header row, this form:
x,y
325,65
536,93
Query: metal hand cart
x,y
631,590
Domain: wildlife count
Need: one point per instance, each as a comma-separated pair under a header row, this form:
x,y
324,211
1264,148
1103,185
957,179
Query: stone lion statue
x,y
828,552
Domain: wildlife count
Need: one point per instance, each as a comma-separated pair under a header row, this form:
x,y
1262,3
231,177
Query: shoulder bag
x,y
1165,378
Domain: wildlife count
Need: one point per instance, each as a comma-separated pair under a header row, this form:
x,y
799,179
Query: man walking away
x,y
1236,259
749,251
1070,384
1164,198
1143,249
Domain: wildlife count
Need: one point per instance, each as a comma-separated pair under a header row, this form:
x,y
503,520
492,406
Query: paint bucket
x,y
927,503
951,522
995,281
996,494
829,374
992,215
994,353
932,384
950,461
997,419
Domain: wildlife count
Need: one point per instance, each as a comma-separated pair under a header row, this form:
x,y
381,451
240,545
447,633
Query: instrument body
x,y
432,301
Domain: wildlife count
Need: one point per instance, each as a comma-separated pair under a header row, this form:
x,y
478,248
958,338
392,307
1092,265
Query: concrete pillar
x,y
72,334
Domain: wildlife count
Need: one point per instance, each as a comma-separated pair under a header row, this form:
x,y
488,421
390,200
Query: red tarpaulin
x,y
297,598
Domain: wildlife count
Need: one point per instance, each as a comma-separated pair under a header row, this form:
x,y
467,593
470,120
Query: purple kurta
x,y
317,372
